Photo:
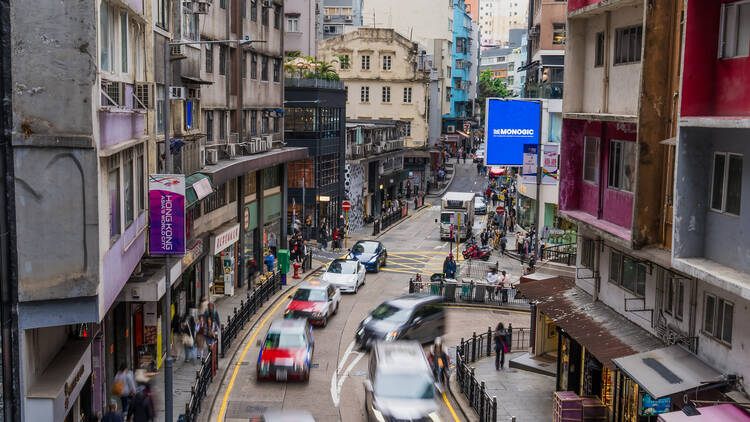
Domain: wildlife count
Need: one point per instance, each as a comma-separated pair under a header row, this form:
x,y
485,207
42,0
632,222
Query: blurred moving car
x,y
479,156
346,274
414,317
286,352
400,386
314,301
480,206
370,253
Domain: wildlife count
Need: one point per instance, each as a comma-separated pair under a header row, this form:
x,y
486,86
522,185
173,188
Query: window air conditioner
x,y
203,8
267,3
212,156
176,92
202,156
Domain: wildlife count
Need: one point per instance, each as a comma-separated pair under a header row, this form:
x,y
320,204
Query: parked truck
x,y
455,204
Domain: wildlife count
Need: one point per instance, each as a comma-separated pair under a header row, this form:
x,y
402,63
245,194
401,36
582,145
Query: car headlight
x,y
378,415
392,335
317,314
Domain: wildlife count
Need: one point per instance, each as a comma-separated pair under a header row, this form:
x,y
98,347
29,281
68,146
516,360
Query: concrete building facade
x,y
340,16
302,27
498,17
546,49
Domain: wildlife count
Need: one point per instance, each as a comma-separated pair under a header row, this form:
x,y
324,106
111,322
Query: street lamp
x,y
168,406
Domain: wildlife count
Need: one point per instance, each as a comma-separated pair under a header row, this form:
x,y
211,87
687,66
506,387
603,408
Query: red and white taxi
x,y
315,301
286,353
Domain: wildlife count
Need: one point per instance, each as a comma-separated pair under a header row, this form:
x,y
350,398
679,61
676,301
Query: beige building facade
x,y
383,78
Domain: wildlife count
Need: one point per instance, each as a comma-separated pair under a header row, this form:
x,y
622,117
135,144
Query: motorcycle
x,y
473,251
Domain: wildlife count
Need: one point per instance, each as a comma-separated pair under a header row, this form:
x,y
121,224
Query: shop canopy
x,y
604,333
197,187
663,372
721,412
497,171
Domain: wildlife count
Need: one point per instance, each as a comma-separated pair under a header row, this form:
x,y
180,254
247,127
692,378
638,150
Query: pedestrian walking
x,y
142,408
211,312
212,332
124,386
484,237
449,267
323,237
501,346
492,282
504,281
342,236
503,245
479,169
272,243
188,339
112,415
269,261
200,336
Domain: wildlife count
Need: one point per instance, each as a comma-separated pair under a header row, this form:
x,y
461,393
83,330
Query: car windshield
x,y
404,386
285,341
343,267
479,202
310,295
445,217
365,247
391,313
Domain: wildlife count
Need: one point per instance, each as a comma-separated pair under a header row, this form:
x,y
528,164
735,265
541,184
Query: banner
x,y
529,164
166,201
510,124
550,166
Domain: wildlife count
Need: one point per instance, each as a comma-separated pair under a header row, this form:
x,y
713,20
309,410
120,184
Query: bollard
x,y
474,347
489,341
510,337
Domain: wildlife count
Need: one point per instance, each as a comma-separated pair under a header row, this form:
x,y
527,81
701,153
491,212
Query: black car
x,y
414,317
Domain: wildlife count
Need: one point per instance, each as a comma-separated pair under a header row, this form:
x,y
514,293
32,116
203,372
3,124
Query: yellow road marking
x,y
453,412
225,400
418,253
422,261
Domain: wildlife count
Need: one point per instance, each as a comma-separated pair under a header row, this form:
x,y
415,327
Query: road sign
x,y
346,205
500,210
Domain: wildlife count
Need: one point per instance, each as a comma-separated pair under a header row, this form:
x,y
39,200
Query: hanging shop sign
x,y
226,238
166,200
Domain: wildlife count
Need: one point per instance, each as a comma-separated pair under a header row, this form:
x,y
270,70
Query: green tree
x,y
490,87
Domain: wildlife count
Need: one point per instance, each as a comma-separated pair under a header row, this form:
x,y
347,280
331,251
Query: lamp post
x,y
168,397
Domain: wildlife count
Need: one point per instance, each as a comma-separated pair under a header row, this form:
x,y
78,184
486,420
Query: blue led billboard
x,y
509,125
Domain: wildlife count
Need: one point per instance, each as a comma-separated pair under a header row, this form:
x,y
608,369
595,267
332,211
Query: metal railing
x,y
476,347
313,83
561,254
203,378
469,292
388,219
270,283
548,90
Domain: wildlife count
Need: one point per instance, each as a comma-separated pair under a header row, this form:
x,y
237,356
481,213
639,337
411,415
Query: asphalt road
x,y
335,391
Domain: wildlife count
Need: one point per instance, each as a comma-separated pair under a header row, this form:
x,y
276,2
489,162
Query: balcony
x,y
546,90
313,83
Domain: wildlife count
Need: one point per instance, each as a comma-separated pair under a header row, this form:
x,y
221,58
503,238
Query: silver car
x,y
400,385
346,274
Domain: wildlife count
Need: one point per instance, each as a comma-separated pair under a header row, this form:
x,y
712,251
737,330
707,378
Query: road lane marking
x,y
225,400
346,356
338,384
453,412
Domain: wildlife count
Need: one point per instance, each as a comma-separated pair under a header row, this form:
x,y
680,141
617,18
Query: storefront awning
x,y
497,171
197,187
663,372
606,334
226,170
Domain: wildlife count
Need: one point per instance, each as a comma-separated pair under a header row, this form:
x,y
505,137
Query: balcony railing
x,y
313,83
548,90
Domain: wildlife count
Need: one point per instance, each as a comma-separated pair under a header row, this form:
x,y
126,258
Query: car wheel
x,y
325,322
363,280
385,260
377,267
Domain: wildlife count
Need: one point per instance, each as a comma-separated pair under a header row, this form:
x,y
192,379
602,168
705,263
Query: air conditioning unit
x,y
202,156
348,18
267,3
451,129
188,7
234,138
203,8
194,93
176,92
232,150
212,156
357,149
177,52
326,18
143,95
268,141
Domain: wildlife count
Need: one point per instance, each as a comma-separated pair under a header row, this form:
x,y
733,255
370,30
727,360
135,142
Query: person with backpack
x,y
501,345
142,407
124,386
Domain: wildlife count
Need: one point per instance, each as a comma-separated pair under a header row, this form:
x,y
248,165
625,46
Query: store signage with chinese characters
x,y
166,199
550,167
529,164
225,239
193,253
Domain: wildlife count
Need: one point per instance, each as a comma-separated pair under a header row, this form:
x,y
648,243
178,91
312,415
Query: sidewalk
x,y
184,373
523,394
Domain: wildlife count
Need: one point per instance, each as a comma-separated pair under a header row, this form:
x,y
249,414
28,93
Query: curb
x,y
461,403
208,411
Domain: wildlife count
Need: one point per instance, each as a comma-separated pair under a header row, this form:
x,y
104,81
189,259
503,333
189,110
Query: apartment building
x,y
546,49
340,16
385,79
302,27
498,17
461,105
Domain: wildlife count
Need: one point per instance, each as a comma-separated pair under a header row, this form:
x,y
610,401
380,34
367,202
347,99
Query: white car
x,y
346,274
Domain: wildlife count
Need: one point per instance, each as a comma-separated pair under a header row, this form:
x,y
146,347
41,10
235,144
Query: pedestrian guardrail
x,y
388,219
476,347
470,292
203,378
561,254
269,284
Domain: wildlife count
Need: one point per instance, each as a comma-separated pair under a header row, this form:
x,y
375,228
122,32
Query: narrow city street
x,y
335,391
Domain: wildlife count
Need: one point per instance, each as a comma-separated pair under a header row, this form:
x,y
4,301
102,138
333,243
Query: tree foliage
x,y
490,87
297,66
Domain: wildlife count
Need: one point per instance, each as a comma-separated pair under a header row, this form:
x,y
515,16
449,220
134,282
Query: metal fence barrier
x,y
203,378
471,292
478,346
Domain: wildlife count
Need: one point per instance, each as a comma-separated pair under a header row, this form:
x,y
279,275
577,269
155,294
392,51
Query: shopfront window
x,y
250,241
299,119
527,211
271,177
329,169
301,173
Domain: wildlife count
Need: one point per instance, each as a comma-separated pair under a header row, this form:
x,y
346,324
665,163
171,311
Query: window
x,y
344,62
718,317
243,65
332,11
264,68
276,70
407,95
386,94
510,80
264,124
223,4
215,200
243,8
163,12
726,183
599,53
276,17
141,178
674,296
254,122
364,94
124,40
113,183
222,125
387,62
106,15
558,33
276,124
408,128
264,15
591,159
190,26
330,29
254,10
128,185
627,273
254,66
346,11
222,60
209,58
209,126
587,253
628,44
365,62
621,165
292,24
160,108
735,30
